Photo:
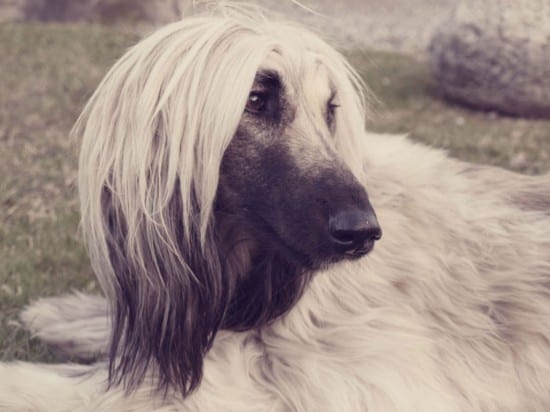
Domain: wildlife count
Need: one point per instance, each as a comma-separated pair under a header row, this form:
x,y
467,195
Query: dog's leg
x,y
26,387
77,324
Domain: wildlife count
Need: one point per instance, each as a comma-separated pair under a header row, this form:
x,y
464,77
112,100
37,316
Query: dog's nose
x,y
353,232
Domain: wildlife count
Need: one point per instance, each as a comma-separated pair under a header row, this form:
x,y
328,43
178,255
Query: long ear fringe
x,y
165,315
153,135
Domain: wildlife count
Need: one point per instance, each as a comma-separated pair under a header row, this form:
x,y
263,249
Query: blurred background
x,y
472,77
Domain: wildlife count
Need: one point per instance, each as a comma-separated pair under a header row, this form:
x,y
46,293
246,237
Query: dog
x,y
223,181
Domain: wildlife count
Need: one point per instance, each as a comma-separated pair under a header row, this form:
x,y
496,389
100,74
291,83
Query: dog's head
x,y
218,171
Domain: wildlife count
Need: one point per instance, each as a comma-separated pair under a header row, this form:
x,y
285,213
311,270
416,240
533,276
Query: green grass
x,y
48,72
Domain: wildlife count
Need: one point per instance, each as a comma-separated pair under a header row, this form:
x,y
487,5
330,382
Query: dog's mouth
x,y
311,250
319,258
361,251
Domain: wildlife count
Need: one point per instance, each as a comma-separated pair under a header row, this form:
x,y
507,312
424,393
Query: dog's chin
x,y
360,252
325,263
315,261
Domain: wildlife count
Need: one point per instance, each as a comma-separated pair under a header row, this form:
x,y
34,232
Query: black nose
x,y
353,232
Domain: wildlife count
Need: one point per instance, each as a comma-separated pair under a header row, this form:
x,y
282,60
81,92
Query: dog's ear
x,y
169,296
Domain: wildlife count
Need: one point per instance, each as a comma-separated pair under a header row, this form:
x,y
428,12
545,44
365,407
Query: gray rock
x,y
11,10
154,11
495,55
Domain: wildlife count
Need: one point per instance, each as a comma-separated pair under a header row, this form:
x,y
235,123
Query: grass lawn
x,y
48,71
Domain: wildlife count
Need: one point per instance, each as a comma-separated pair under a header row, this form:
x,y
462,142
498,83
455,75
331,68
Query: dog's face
x,y
215,179
285,193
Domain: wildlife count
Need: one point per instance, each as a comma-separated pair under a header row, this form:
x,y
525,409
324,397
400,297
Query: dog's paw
x,y
76,325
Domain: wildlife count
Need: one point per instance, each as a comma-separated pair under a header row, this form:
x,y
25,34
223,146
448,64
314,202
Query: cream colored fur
x,y
451,312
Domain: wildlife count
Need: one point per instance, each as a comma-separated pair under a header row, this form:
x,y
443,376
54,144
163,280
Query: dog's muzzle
x,y
354,231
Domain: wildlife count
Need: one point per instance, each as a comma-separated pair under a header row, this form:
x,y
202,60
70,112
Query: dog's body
x,y
450,313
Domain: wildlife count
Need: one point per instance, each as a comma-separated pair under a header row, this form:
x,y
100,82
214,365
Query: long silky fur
x,y
450,312
153,136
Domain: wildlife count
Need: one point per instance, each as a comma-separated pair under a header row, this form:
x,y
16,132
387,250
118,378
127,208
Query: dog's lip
x,y
361,251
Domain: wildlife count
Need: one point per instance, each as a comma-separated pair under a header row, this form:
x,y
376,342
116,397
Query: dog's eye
x,y
256,102
331,111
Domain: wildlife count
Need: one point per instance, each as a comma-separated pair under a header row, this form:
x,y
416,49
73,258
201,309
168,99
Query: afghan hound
x,y
223,182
